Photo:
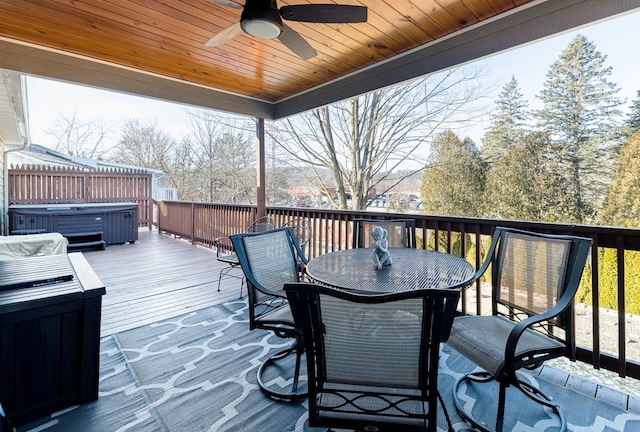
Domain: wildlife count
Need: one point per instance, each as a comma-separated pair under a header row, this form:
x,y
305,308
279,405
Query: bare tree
x,y
183,172
278,177
363,140
145,145
221,151
85,138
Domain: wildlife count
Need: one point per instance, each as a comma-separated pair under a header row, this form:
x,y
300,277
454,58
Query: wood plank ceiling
x,y
165,39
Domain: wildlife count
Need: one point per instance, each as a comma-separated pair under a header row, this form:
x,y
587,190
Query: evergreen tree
x,y
527,184
633,119
507,124
453,181
622,206
581,112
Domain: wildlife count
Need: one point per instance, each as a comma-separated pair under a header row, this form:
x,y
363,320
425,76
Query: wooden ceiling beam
x,y
73,69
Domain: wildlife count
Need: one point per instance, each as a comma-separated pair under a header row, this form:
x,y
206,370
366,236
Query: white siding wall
x,y
13,126
3,210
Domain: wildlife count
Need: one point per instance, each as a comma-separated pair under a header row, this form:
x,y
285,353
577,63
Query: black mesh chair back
x,y
530,275
401,232
225,252
534,278
372,360
269,260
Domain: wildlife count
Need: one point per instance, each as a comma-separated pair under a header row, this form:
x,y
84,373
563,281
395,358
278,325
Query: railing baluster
x,y
622,344
595,301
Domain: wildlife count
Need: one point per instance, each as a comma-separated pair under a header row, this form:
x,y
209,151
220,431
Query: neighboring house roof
x,y
35,154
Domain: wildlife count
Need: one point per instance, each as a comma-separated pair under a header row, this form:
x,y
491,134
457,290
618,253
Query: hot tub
x,y
117,221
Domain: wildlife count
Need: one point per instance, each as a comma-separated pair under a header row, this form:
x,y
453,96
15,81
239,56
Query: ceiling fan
x,y
263,19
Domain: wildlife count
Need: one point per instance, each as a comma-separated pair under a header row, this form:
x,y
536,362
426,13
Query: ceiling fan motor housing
x,y
261,19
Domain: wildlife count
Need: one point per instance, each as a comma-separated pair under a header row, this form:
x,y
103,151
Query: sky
x,y
616,38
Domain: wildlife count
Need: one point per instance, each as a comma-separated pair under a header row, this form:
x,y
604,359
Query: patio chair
x,y
534,278
372,360
226,254
269,260
401,232
302,230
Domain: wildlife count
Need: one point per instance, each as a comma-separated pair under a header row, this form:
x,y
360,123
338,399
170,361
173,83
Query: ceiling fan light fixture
x,y
263,23
263,29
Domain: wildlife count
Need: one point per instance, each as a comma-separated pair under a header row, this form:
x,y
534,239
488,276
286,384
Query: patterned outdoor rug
x,y
197,373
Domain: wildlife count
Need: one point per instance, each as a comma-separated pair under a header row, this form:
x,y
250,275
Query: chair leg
x,y
226,272
446,414
476,377
528,390
219,278
296,373
502,399
295,392
538,396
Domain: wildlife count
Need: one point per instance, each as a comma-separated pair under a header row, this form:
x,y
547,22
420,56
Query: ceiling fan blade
x,y
230,3
225,35
324,13
296,43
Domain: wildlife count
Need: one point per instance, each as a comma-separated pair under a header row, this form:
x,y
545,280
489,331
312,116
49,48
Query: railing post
x,y
261,200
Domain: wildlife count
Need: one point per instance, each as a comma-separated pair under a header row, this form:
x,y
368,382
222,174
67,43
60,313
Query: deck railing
x,y
202,223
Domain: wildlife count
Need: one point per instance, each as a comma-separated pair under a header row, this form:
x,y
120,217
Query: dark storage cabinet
x,y
50,309
118,221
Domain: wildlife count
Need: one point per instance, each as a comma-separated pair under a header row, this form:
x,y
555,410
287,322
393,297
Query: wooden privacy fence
x,y
33,184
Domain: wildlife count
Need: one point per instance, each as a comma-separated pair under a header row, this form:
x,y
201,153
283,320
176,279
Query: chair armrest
x,y
522,326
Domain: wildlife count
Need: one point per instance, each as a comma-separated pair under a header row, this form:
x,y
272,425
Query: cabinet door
x,y
41,360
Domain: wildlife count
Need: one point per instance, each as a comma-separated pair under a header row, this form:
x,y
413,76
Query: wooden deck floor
x,y
158,277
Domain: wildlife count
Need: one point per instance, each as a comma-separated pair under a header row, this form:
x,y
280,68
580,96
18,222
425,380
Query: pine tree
x,y
580,113
633,119
527,184
453,181
507,124
622,206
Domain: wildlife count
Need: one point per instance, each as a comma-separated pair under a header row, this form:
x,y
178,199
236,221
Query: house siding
x,y
3,209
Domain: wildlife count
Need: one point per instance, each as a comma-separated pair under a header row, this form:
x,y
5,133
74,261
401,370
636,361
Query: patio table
x,y
411,269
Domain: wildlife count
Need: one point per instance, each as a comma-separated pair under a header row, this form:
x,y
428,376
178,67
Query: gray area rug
x,y
197,373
